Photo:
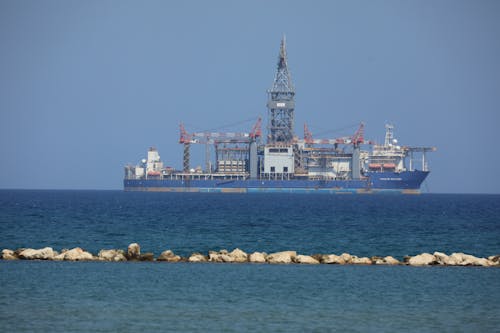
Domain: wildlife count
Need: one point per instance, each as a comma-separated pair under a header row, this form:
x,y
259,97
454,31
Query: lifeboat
x,y
389,166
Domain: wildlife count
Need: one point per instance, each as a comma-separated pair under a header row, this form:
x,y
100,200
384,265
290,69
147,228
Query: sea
x,y
48,296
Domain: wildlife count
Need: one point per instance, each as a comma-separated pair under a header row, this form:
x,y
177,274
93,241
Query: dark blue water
x,y
129,297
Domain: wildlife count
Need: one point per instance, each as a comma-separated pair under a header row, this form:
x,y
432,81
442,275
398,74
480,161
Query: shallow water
x,y
126,297
131,297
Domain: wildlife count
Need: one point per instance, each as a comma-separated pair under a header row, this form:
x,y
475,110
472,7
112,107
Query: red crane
x,y
356,139
256,129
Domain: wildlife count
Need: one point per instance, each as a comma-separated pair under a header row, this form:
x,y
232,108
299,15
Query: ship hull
x,y
375,182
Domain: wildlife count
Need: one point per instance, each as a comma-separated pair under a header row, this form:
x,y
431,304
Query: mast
x,y
281,103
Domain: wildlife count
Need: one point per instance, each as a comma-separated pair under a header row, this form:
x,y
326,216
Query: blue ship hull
x,y
404,182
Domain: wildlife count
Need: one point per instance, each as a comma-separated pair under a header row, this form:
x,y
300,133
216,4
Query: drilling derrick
x,y
281,103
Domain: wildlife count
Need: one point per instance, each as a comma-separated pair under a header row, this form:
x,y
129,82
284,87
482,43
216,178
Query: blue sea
x,y
40,296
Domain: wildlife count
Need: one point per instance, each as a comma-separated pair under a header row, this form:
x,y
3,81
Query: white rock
x,y
43,254
391,261
226,258
347,257
221,256
332,259
361,261
197,257
483,262
238,255
8,255
257,257
214,256
284,257
111,255
302,259
169,256
134,251
494,260
422,260
455,259
463,259
443,259
76,254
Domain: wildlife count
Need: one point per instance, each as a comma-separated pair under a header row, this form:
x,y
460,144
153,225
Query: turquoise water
x,y
148,297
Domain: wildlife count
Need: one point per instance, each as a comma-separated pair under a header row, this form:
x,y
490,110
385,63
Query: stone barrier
x,y
133,253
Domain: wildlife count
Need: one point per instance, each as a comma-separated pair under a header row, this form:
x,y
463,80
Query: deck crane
x,y
256,129
322,154
356,139
215,138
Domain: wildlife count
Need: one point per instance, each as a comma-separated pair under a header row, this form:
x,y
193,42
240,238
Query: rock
x,y
169,256
238,255
43,254
284,257
494,260
257,257
483,262
76,254
226,258
302,259
9,255
148,256
134,251
463,259
214,256
391,261
422,260
332,259
444,259
347,257
221,256
197,257
112,255
458,259
360,261
374,259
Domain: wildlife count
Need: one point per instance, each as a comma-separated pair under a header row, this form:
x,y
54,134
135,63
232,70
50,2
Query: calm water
x,y
130,297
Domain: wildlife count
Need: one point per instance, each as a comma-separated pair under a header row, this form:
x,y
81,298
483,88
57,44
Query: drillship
x,y
243,163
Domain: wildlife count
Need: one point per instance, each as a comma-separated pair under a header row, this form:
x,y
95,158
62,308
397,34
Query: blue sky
x,y
88,86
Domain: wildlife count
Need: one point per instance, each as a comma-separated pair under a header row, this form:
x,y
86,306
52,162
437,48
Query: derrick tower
x,y
281,103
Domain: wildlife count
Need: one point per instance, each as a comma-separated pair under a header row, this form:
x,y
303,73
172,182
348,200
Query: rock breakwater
x,y
133,253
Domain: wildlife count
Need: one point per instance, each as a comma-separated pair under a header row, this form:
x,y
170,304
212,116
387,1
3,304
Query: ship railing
x,y
276,176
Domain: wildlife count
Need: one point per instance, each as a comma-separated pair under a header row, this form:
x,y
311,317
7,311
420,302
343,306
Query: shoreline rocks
x,y
42,254
257,257
302,259
237,255
284,257
76,254
332,259
112,255
197,257
169,256
9,255
423,259
133,252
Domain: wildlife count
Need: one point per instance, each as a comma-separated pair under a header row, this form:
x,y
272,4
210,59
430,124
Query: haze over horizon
x,y
87,87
